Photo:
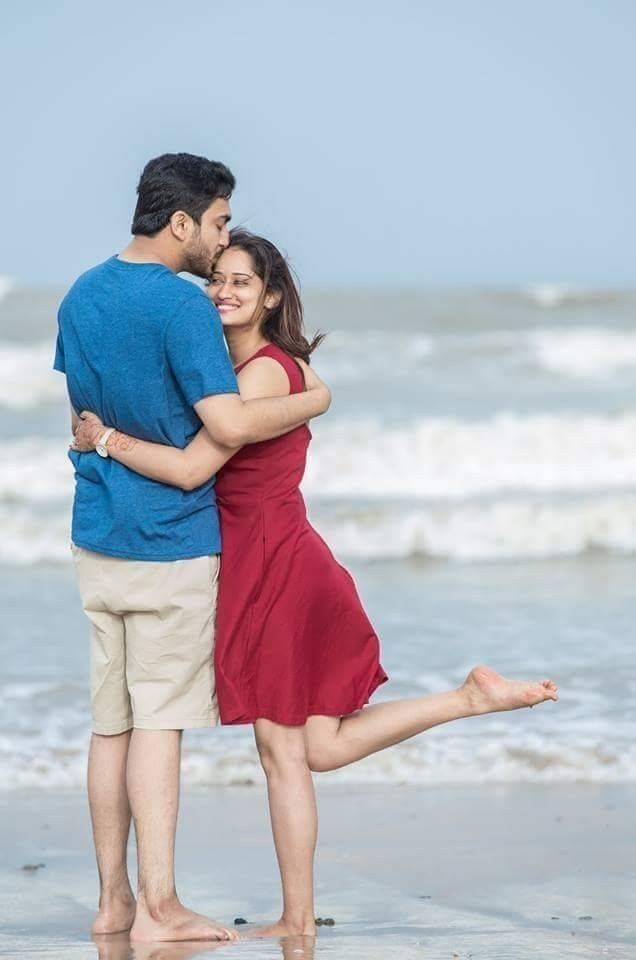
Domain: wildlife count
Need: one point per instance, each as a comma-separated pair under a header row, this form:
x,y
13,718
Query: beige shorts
x,y
152,641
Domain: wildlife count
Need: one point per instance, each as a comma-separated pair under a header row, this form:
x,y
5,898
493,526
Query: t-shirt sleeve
x,y
59,362
197,353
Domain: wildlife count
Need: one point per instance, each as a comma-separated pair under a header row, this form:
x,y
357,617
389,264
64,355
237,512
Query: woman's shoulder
x,y
262,375
272,351
275,352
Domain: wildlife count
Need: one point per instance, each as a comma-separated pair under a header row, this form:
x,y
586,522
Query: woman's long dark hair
x,y
283,323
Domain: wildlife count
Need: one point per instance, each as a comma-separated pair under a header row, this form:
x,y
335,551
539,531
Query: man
x,y
144,349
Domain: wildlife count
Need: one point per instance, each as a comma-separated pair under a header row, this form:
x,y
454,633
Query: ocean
x,y
476,473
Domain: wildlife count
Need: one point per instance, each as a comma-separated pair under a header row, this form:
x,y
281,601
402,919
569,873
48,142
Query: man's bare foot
x,y
488,692
115,915
173,921
283,928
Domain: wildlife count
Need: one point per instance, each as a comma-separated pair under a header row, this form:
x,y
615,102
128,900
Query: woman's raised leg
x,y
335,742
292,807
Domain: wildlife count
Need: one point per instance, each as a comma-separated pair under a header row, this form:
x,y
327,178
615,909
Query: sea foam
x,y
45,747
431,458
510,486
386,359
26,377
584,352
450,458
499,530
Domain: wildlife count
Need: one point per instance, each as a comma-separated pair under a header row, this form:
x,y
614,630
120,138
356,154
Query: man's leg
x,y
110,815
112,723
153,788
169,645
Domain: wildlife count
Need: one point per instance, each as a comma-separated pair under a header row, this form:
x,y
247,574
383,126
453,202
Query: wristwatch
x,y
100,446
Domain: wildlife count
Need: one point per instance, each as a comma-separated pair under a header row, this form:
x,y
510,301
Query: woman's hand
x,y
313,382
88,431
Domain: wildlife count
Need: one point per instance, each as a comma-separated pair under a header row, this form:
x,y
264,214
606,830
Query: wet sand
x,y
494,872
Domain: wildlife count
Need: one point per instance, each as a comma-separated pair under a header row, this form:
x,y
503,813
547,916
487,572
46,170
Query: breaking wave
x,y
510,486
45,747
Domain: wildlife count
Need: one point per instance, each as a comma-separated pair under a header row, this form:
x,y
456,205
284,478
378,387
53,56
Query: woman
x,y
295,653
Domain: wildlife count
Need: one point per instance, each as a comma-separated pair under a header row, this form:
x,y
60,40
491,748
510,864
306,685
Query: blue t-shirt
x,y
139,346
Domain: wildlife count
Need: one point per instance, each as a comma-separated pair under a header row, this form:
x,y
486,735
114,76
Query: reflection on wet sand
x,y
117,946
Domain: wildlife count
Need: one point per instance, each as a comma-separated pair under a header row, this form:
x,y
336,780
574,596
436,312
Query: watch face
x,y
101,450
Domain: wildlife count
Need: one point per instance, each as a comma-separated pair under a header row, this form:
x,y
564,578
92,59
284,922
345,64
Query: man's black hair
x,y
178,181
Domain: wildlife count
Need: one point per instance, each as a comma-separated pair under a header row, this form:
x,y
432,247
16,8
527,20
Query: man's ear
x,y
181,224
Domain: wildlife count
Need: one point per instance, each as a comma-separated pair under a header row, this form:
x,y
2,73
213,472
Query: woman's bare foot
x,y
173,921
115,915
488,692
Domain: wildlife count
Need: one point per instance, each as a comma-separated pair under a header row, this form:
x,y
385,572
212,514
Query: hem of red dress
x,y
316,711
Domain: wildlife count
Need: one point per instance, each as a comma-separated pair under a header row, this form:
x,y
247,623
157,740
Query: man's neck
x,y
150,250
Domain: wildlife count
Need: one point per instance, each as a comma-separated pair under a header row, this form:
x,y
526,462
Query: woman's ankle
x,y
299,921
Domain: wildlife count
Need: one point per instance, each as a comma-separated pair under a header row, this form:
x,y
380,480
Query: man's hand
x,y
87,432
313,382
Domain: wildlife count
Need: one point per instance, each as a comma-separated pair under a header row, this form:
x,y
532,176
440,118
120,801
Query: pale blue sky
x,y
403,142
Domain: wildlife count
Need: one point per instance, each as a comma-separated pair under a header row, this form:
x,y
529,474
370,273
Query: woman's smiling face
x,y
235,288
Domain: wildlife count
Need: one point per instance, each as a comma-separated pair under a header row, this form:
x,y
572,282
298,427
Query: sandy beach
x,y
501,529
452,187
497,872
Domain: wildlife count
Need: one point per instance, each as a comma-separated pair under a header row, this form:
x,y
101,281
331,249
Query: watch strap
x,y
103,440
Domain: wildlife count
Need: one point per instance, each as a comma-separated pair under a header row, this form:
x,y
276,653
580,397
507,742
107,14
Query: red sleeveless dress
x,y
292,639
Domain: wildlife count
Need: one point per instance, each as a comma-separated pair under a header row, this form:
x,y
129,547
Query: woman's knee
x,y
281,749
322,735
320,758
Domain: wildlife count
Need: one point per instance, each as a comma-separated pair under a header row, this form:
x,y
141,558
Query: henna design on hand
x,y
120,441
91,428
88,433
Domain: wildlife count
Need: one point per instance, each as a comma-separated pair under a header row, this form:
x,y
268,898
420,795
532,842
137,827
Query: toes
x,y
550,690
